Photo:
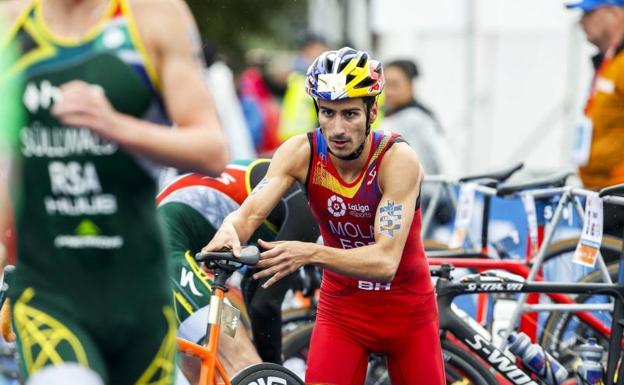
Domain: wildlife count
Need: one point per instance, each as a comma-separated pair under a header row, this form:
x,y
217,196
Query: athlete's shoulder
x,y
400,151
296,141
161,11
10,11
297,147
167,28
401,160
294,155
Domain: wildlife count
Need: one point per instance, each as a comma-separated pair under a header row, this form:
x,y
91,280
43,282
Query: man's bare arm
x,y
393,220
289,164
180,67
9,12
197,142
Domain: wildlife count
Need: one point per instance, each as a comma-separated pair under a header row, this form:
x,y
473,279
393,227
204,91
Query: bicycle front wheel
x,y
461,367
564,332
266,373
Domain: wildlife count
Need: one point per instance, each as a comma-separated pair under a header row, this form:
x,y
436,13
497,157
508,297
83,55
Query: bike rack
x,y
568,195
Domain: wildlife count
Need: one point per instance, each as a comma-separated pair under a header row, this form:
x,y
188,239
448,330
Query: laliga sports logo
x,y
336,206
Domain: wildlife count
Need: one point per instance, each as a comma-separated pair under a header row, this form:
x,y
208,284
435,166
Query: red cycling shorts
x,y
350,327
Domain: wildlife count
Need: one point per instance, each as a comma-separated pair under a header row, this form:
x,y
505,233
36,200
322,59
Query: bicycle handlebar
x,y
499,176
615,190
250,255
556,180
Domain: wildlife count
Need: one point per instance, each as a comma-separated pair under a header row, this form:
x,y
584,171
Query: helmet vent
x,y
362,61
366,83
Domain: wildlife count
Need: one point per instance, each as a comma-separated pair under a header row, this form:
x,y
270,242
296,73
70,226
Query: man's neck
x,y
350,169
72,18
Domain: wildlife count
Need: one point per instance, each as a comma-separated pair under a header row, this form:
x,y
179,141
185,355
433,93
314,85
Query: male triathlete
x,y
192,207
363,190
91,295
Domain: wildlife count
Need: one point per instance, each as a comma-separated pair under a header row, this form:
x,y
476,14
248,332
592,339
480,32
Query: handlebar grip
x,y
249,256
212,255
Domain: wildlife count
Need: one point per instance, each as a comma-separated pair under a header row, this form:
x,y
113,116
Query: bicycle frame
x,y
568,194
528,322
520,268
480,261
210,364
484,348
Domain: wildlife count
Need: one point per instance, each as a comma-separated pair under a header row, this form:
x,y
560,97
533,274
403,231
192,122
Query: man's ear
x,y
374,110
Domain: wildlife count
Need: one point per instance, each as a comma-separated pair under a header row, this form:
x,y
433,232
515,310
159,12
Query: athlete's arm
x,y
5,206
9,12
197,142
289,164
400,176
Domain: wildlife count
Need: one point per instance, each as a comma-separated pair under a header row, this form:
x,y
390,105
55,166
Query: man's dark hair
x,y
408,67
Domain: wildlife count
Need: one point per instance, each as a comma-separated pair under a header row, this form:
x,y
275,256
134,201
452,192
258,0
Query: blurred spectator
x,y
419,127
298,114
221,80
599,146
415,122
260,107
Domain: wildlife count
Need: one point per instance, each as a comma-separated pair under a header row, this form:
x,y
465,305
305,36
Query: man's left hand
x,y
85,105
282,258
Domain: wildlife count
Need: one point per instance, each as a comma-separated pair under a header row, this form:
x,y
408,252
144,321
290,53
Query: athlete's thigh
x,y
417,355
335,358
49,332
149,354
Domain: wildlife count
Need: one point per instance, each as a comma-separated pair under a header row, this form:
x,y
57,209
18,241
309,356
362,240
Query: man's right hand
x,y
225,239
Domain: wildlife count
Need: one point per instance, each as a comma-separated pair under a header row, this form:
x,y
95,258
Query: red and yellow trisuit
x,y
358,317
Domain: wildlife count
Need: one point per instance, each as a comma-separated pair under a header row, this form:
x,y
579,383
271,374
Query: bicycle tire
x,y
298,315
297,342
460,366
266,372
558,324
462,362
610,248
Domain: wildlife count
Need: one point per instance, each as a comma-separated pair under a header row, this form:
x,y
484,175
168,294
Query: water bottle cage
x,y
550,374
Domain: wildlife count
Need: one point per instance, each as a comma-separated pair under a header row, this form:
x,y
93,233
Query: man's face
x,y
398,87
596,25
344,124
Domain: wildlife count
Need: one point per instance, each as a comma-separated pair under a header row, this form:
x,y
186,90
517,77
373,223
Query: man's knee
x,y
59,374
